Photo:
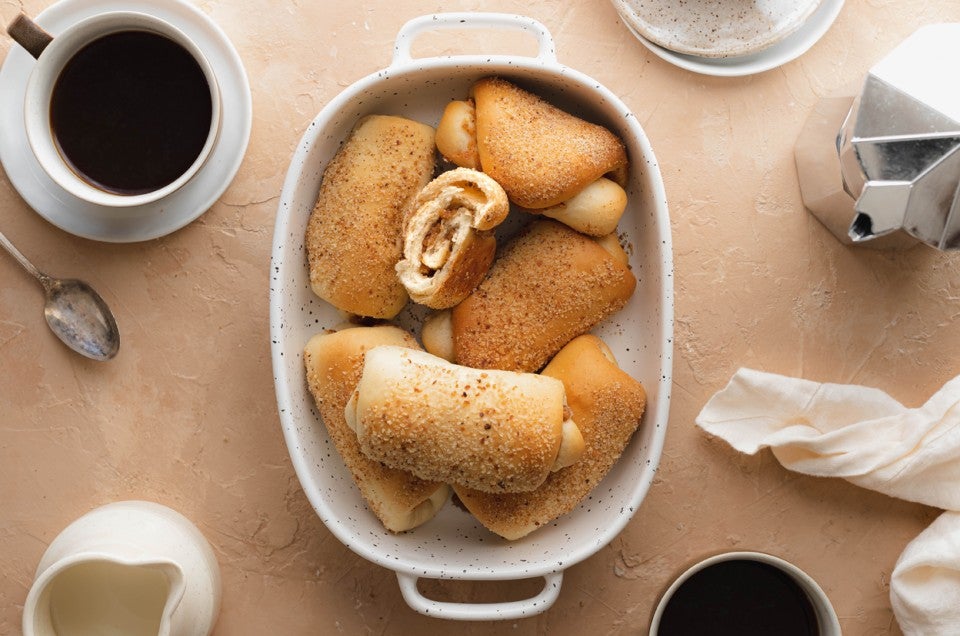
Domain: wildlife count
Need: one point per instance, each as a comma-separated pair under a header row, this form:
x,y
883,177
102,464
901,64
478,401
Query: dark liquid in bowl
x,y
130,112
739,598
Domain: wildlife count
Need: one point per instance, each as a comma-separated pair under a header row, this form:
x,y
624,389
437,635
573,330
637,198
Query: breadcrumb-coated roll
x,y
495,431
334,362
548,286
607,405
354,235
540,154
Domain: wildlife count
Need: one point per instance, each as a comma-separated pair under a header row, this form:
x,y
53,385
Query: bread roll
x,y
334,362
457,134
494,431
550,285
611,243
448,237
607,405
594,211
540,154
354,235
437,335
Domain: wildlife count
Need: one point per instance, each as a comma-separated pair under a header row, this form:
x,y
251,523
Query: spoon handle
x,y
14,252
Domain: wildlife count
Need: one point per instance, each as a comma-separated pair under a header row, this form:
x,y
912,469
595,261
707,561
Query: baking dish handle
x,y
546,51
481,611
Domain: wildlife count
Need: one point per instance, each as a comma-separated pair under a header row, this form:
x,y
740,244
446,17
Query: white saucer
x,y
712,28
144,222
786,50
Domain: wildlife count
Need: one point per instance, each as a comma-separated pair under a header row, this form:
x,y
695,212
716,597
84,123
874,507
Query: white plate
x,y
138,223
716,28
786,50
454,544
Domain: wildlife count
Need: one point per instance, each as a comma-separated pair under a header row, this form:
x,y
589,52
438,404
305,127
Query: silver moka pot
x,y
883,168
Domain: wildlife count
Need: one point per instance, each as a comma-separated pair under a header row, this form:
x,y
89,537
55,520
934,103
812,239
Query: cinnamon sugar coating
x,y
334,362
607,405
355,234
540,154
496,431
548,286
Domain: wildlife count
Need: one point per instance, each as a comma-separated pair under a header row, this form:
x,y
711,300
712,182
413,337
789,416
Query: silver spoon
x,y
74,311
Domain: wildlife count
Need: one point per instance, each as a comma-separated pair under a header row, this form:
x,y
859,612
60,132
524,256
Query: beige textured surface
x,y
186,415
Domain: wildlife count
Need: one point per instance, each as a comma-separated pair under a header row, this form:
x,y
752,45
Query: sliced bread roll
x,y
354,235
448,242
607,405
540,154
334,362
494,431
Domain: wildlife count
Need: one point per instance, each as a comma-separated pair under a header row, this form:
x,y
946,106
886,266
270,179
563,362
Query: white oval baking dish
x,y
453,545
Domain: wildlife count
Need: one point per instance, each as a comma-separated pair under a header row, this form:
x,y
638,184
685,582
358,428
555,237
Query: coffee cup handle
x,y
29,35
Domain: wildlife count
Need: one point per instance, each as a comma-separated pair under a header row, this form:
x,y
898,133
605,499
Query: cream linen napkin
x,y
869,439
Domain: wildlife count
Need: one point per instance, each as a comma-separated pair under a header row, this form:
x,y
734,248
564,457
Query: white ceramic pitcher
x,y
131,568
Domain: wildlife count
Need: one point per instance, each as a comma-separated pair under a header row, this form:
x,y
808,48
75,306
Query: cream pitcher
x,y
131,568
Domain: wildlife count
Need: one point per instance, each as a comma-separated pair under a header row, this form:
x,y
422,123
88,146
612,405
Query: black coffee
x,y
739,598
131,112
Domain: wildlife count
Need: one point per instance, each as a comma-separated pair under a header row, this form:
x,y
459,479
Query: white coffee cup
x,y
827,621
52,54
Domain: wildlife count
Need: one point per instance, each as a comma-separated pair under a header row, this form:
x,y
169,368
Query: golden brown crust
x,y
354,235
333,363
495,431
540,154
471,263
607,405
550,285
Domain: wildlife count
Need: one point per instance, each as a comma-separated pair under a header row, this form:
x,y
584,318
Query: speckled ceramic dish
x,y
777,54
454,545
716,28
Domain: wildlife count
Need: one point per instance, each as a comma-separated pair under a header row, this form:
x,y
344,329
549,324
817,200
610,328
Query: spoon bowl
x,y
80,318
